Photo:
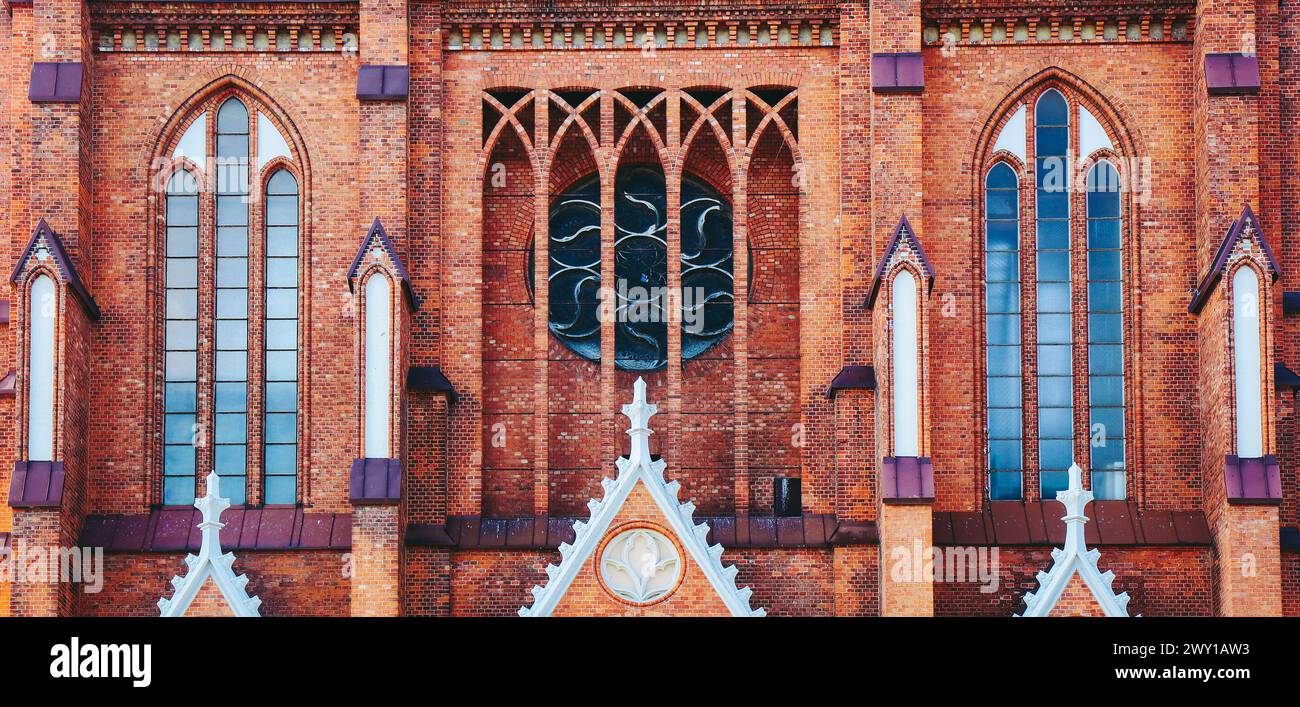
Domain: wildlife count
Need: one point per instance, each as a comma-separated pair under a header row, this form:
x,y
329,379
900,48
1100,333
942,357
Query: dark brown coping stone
x,y
1038,524
176,530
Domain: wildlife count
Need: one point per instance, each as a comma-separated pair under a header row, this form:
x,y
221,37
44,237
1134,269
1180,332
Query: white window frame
x,y
42,322
906,366
378,366
1247,364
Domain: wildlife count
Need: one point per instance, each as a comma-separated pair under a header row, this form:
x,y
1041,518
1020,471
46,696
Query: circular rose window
x,y
640,566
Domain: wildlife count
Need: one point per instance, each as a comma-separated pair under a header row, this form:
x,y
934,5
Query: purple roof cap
x,y
1231,73
383,83
1284,377
176,530
375,482
429,378
36,485
902,229
907,480
9,384
897,72
853,378
4,311
55,82
61,260
1220,264
377,233
1253,481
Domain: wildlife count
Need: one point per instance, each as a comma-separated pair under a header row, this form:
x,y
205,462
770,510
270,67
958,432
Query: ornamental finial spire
x,y
211,505
638,412
1075,498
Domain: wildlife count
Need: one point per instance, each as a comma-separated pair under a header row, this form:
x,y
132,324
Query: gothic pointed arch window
x,y
231,309
1054,353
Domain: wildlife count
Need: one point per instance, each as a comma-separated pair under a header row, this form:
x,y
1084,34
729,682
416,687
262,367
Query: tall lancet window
x,y
379,366
230,428
181,339
1054,325
281,339
906,365
1061,399
42,313
1002,318
1105,333
1246,363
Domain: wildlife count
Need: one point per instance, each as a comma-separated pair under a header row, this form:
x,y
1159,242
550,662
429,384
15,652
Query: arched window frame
x,y
1076,97
389,438
201,110
907,376
1247,443
34,442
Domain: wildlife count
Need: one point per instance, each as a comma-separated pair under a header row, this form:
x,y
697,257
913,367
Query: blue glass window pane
x,y
1052,481
232,211
180,397
282,334
1003,328
1055,423
1053,204
231,397
282,241
232,242
1004,423
232,272
1004,455
1003,297
1108,485
232,334
1051,109
281,458
182,304
281,490
232,304
1001,204
1054,392
229,459
1103,234
1003,360
282,272
281,397
281,210
232,366
1055,453
1004,485
1052,140
178,459
182,243
231,428
281,428
282,182
1106,390
1001,177
182,272
1110,456
1002,235
281,365
1103,205
178,490
178,428
182,335
1107,359
1106,423
1054,328
1103,265
181,366
1105,328
1053,235
236,485
232,117
1053,266
1103,297
1054,297
182,211
1002,267
282,304
1004,392
1054,360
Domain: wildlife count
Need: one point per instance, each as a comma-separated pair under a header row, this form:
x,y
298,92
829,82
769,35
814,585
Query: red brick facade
x,y
504,107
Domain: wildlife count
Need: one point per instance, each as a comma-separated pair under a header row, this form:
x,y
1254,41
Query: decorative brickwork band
x,y
376,482
36,485
897,72
55,82
383,83
907,480
1253,481
853,378
1231,73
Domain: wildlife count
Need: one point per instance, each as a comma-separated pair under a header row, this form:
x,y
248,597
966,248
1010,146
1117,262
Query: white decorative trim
x,y
211,562
639,467
1075,558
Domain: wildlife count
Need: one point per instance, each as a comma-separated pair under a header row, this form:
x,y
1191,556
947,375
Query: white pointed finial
x,y
638,414
1075,498
211,505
